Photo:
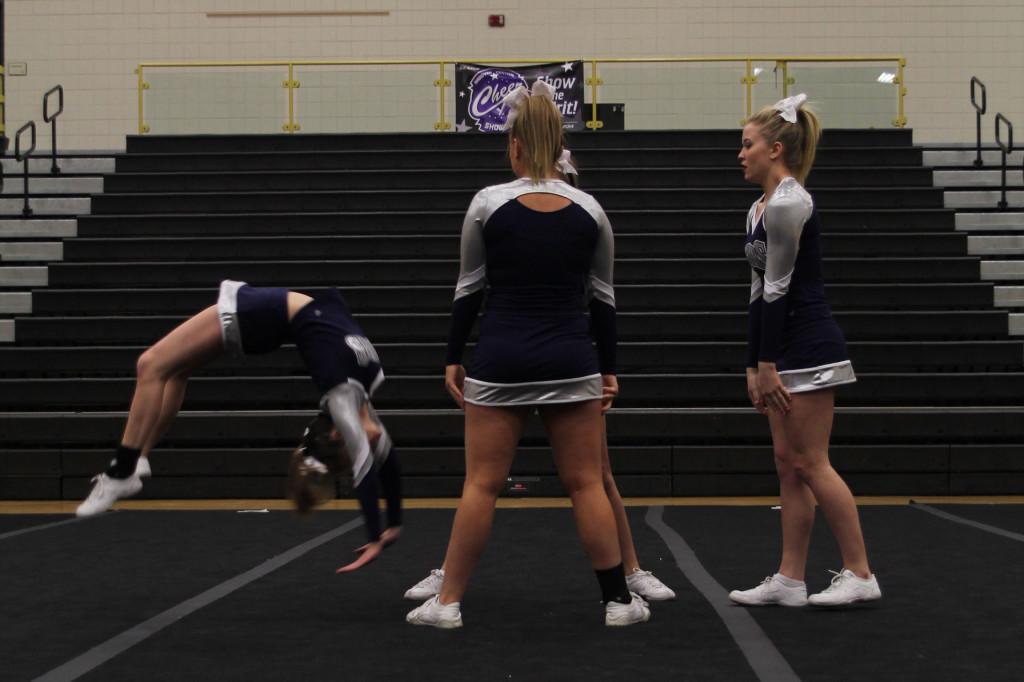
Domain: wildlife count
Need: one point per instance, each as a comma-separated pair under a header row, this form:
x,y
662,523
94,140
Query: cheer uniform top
x,y
790,321
543,269
340,359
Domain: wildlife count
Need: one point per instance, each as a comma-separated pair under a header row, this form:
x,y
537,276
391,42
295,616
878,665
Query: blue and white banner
x,y
479,90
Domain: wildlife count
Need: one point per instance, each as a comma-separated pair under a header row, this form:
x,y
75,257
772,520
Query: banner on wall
x,y
479,90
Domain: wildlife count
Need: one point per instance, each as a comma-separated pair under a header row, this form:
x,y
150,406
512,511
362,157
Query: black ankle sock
x,y
123,464
613,585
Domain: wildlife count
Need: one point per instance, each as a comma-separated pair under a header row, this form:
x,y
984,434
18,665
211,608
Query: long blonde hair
x,y
799,140
538,127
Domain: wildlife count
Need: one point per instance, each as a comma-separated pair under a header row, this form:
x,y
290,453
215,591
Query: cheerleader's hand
x,y
774,394
753,392
609,389
390,536
454,379
368,553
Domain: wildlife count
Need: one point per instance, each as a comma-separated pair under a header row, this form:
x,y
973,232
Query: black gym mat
x,y
950,607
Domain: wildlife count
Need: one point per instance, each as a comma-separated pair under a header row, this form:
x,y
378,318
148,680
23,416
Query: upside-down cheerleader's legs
x,y
492,434
162,371
800,441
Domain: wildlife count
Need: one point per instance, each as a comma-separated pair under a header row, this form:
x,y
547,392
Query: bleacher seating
x,y
937,410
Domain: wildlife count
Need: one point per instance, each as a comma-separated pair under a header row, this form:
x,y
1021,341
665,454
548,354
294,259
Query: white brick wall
x,y
92,47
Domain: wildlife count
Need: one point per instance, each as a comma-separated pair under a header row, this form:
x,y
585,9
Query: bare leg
x,y
575,433
797,508
492,434
192,343
807,429
173,396
630,562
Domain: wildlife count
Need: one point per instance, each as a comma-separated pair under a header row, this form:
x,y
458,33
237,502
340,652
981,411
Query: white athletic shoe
x,y
428,587
648,586
106,491
771,591
142,469
618,615
847,588
433,613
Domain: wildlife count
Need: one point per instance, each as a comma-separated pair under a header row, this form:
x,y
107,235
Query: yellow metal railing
x,y
442,82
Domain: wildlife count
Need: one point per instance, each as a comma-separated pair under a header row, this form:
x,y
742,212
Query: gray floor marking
x,y
995,530
100,654
45,526
761,654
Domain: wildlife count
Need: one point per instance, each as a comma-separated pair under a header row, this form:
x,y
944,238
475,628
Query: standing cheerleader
x,y
796,357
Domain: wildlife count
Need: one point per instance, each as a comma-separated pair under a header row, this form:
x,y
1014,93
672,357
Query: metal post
x,y
52,120
1007,148
31,127
979,111
593,82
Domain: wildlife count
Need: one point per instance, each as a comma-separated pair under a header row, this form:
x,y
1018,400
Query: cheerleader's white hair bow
x,y
516,97
787,107
564,165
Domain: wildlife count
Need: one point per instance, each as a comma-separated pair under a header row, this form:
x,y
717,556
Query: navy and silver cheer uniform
x,y
543,270
790,322
340,359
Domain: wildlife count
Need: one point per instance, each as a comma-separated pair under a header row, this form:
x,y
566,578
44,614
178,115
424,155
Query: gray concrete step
x,y
6,331
965,157
31,251
1016,324
977,178
994,222
24,275
40,164
15,302
1002,269
1008,297
18,228
995,245
979,199
47,205
55,185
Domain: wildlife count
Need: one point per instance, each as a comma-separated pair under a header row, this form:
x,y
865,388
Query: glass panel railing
x,y
216,100
366,98
769,84
848,95
660,95
410,96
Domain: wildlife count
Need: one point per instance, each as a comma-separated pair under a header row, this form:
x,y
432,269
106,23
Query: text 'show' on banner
x,y
479,90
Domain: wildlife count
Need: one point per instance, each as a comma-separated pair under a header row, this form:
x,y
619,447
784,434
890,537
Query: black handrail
x,y
1007,149
980,111
31,125
52,120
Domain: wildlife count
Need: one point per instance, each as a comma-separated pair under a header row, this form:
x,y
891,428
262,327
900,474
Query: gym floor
x,y
245,590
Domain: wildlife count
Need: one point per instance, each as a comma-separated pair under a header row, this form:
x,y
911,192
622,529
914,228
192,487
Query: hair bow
x,y
787,107
514,99
564,165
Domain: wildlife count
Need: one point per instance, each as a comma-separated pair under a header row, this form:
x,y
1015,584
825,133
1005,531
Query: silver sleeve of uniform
x,y
343,402
756,287
472,255
600,282
784,217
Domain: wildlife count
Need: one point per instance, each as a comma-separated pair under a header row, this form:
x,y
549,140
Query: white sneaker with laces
x,y
618,615
435,614
648,586
428,587
847,588
106,491
771,591
142,469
